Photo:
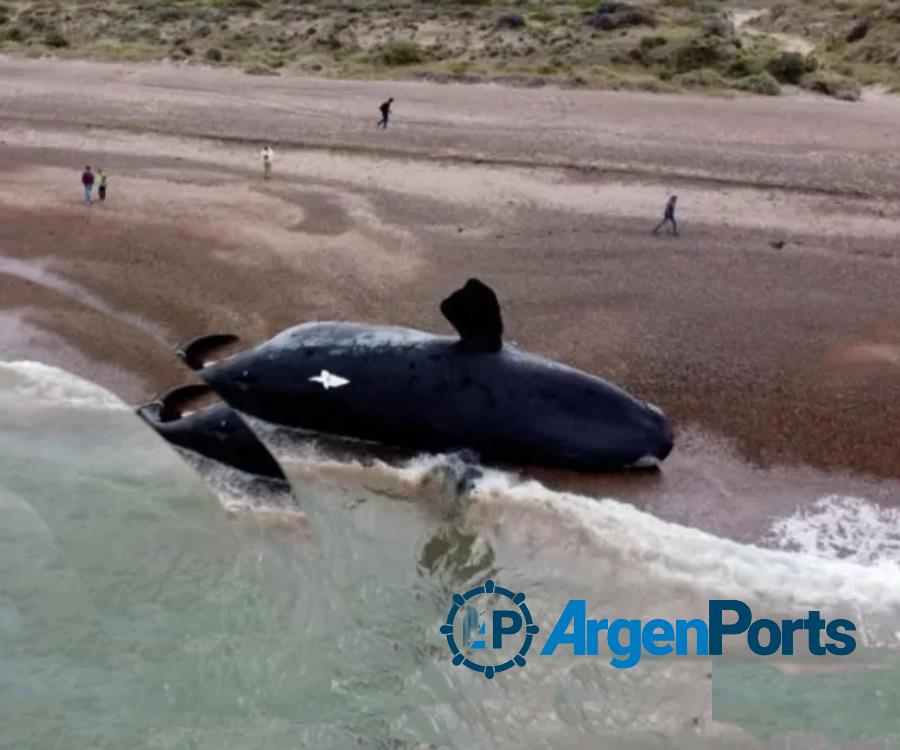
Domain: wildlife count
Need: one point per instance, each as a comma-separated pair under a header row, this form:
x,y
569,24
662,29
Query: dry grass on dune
x,y
647,44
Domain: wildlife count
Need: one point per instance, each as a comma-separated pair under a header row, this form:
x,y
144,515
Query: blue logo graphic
x,y
474,623
629,640
512,625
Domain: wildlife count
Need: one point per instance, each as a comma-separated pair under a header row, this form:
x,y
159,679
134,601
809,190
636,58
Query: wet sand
x,y
769,330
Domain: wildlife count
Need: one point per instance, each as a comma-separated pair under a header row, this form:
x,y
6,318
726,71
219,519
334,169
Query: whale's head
x,y
589,422
615,428
252,382
657,434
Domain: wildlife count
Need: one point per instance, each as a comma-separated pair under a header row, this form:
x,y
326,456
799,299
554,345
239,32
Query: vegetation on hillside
x,y
650,44
859,39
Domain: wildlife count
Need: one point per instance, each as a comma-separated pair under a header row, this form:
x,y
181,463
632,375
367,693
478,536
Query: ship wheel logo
x,y
512,629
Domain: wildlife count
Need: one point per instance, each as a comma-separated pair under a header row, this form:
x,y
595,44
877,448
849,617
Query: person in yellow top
x,y
101,184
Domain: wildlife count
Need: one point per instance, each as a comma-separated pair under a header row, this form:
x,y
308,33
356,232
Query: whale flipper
x,y
215,431
195,352
173,401
475,314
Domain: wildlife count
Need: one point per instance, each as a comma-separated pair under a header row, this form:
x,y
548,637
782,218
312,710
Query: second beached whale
x,y
409,388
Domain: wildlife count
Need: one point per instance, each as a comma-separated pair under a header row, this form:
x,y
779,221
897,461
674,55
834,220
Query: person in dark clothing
x,y
87,181
385,113
669,216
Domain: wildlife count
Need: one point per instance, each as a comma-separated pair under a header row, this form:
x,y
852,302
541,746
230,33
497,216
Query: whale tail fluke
x,y
475,314
194,353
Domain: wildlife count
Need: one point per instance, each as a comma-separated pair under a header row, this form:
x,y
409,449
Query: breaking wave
x,y
50,386
839,527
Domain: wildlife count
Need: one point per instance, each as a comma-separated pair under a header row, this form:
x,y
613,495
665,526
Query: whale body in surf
x,y
413,389
215,431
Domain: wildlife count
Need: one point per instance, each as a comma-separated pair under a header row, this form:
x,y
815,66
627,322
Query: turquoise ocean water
x,y
145,606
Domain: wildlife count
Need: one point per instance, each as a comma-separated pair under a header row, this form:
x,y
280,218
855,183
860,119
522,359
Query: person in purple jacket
x,y
87,180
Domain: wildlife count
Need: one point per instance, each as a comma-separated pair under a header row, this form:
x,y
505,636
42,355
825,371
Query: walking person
x,y
669,216
101,184
385,113
87,181
267,155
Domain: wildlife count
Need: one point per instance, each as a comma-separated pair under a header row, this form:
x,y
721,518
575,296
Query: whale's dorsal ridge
x,y
475,314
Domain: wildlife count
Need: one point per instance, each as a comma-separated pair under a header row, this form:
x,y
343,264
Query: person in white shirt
x,y
267,156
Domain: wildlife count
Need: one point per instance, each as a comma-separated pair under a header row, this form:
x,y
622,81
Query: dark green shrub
x,y
259,69
760,83
169,14
400,52
744,66
832,84
790,67
511,21
702,52
614,15
860,30
56,40
213,54
653,41
14,34
703,79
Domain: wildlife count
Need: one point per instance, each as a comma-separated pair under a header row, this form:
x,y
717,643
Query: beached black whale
x,y
215,431
414,389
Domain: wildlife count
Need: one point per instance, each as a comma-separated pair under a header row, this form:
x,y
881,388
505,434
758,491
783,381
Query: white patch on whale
x,y
644,462
329,380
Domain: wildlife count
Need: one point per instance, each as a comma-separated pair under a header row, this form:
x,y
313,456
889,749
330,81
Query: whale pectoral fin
x,y
475,314
173,401
195,352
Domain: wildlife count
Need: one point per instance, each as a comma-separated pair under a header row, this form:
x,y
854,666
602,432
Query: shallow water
x,y
141,606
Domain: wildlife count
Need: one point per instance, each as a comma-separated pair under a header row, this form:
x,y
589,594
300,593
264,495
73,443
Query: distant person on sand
x,y
669,216
87,181
385,113
267,155
101,184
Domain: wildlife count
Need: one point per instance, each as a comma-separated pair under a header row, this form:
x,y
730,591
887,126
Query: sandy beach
x,y
771,325
152,598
